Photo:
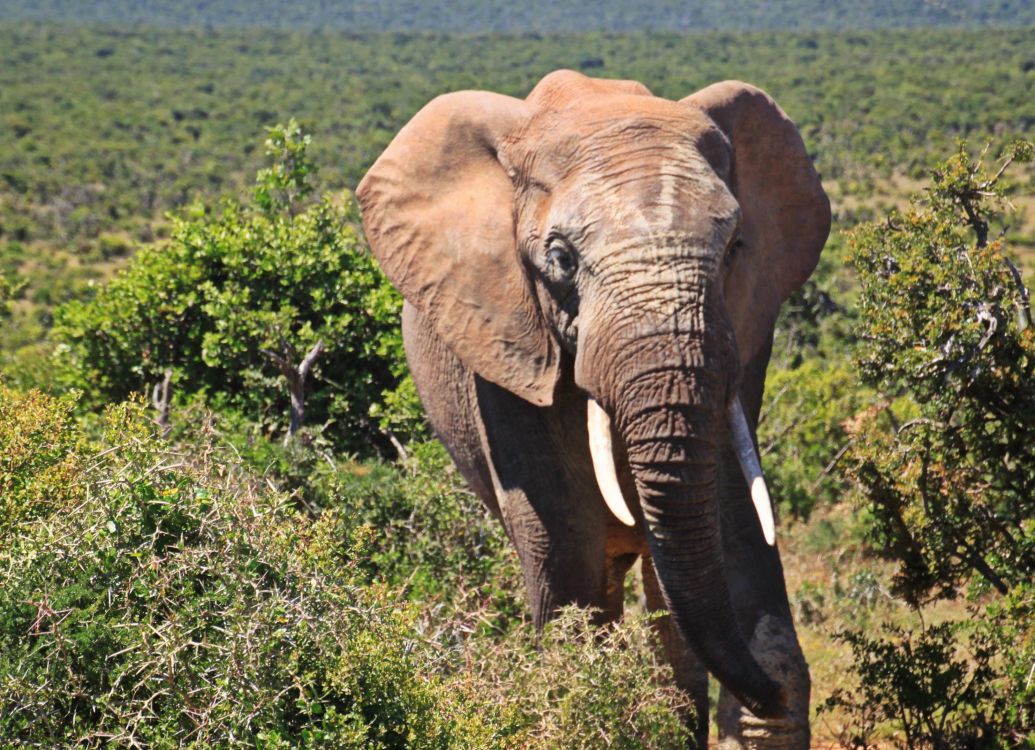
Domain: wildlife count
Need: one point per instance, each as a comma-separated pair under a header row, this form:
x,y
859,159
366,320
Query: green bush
x,y
172,599
423,530
40,471
944,465
581,687
946,338
235,302
172,606
939,697
433,536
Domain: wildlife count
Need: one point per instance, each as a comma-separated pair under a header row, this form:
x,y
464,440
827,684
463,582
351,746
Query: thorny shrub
x,y
170,598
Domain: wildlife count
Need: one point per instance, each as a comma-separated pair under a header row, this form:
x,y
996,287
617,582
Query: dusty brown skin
x,y
596,241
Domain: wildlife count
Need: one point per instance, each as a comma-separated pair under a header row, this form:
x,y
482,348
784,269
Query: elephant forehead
x,y
638,190
623,137
616,117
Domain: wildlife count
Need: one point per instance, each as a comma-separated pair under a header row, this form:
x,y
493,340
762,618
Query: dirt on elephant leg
x,y
776,648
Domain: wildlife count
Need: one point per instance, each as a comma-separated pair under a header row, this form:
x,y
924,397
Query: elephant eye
x,y
733,249
561,262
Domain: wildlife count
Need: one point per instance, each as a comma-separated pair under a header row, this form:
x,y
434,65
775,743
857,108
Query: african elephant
x,y
592,276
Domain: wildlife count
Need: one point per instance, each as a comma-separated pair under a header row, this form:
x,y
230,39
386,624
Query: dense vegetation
x,y
103,131
246,297
153,598
553,16
942,462
323,566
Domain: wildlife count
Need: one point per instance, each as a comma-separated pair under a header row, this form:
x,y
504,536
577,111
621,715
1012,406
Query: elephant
x,y
591,278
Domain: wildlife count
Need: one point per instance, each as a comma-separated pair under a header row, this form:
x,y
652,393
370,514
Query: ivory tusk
x,y
744,446
599,427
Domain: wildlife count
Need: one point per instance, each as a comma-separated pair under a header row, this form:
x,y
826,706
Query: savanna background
x,y
207,542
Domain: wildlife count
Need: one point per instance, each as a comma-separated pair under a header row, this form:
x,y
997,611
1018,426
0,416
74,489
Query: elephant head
x,y
640,245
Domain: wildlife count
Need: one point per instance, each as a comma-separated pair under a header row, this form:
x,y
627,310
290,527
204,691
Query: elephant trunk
x,y
667,397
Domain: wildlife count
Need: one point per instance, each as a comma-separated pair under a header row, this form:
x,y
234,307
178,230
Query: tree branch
x,y
310,358
1024,305
979,225
296,378
161,397
284,365
989,183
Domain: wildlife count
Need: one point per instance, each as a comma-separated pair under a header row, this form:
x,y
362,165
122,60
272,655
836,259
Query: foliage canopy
x,y
237,292
945,466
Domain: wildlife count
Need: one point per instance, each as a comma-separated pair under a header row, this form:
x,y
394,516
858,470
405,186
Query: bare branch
x,y
1024,305
310,358
399,447
161,397
840,454
995,178
282,363
296,378
772,403
979,225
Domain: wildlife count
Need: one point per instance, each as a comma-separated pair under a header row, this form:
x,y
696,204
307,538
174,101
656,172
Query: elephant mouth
x,y
601,447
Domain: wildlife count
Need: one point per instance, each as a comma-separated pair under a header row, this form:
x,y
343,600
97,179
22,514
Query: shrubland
x,y
165,595
199,581
213,572
103,130
103,133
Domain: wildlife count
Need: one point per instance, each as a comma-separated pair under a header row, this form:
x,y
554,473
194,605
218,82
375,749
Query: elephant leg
x,y
691,676
539,463
617,568
517,460
759,595
446,390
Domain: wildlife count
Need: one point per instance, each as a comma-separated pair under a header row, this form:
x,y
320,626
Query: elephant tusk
x,y
744,445
599,426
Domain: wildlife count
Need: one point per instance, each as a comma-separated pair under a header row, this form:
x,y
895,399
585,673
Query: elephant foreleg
x,y
447,391
759,593
775,646
755,577
547,499
691,677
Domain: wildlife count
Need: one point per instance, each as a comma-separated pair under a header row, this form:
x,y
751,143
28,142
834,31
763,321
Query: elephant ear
x,y
785,215
438,213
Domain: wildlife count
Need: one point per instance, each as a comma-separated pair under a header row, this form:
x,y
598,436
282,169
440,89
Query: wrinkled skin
x,y
595,241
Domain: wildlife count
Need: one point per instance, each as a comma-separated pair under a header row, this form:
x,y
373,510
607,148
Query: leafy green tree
x,y
946,336
945,465
285,183
269,308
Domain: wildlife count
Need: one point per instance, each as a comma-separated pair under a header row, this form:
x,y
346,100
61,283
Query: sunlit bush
x,y
944,464
165,596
